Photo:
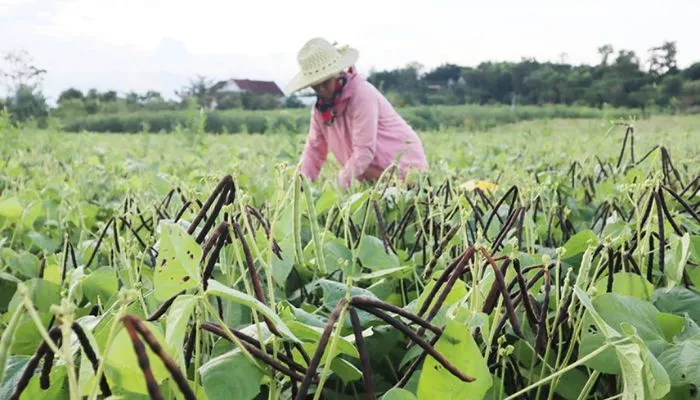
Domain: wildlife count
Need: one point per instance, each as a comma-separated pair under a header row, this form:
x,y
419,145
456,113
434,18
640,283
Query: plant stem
x,y
561,372
108,347
588,386
331,352
229,334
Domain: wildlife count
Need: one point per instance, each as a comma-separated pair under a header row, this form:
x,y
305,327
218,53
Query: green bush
x,y
422,118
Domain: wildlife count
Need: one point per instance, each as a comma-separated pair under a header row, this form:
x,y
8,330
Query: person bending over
x,y
352,118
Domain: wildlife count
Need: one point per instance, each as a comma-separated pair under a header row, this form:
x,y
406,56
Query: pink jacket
x,y
366,136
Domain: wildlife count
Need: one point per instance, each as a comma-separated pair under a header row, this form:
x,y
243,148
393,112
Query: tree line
x,y
620,79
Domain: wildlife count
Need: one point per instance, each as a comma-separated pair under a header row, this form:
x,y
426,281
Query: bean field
x,y
547,259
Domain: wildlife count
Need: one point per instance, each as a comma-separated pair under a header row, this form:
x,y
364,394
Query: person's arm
x,y
315,151
364,115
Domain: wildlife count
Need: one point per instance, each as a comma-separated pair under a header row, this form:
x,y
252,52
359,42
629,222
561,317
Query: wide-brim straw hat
x,y
319,60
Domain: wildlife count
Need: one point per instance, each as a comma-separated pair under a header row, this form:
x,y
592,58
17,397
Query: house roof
x,y
268,87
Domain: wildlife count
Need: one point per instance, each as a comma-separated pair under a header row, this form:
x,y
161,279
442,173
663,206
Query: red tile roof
x,y
259,86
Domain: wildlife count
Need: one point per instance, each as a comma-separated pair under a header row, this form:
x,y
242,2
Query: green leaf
x,y
27,337
13,372
282,268
678,257
458,292
58,390
25,264
345,370
678,300
217,289
571,384
670,324
373,256
231,376
656,380
691,330
682,362
631,364
100,285
121,363
312,334
595,331
337,256
627,284
460,349
334,291
616,309
41,292
177,266
399,394
326,201
578,243
617,232
178,316
695,248
10,208
43,242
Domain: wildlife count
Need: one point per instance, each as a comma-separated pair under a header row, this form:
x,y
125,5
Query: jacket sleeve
x,y
364,114
315,151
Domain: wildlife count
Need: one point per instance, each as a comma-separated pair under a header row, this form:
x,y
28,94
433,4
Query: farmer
x,y
352,118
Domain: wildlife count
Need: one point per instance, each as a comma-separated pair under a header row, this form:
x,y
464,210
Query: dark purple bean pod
x,y
364,357
92,357
507,300
495,291
662,237
322,343
28,372
438,253
466,256
541,335
45,377
256,352
136,235
667,213
494,212
419,341
372,302
225,183
257,287
134,325
529,310
163,308
683,203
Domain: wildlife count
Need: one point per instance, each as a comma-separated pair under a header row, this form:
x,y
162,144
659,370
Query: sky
x,y
128,45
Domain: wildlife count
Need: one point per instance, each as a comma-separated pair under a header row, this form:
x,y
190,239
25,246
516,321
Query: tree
x,y
293,102
18,70
199,88
693,72
605,51
662,60
108,96
26,104
70,94
22,79
443,73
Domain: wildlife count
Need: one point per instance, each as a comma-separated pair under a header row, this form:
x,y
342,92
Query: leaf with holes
x,y
177,267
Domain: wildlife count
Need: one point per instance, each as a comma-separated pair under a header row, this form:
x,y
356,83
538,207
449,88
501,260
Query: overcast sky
x,y
158,45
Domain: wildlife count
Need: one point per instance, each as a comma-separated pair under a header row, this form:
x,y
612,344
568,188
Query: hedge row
x,y
467,117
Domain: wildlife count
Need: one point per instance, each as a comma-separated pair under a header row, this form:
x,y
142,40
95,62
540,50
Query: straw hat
x,y
319,60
